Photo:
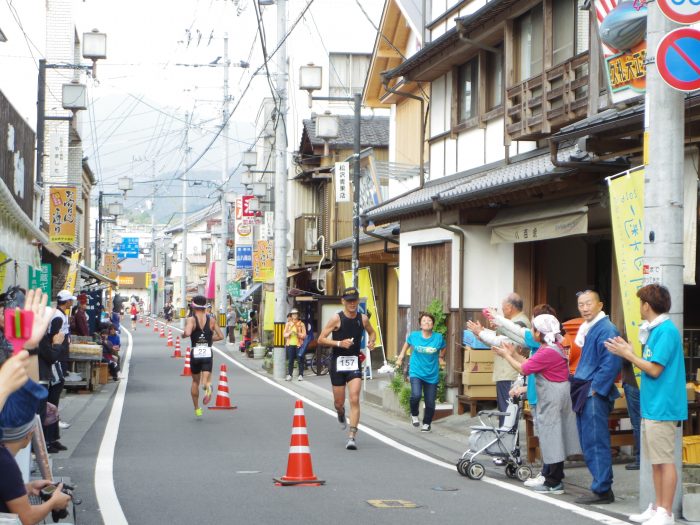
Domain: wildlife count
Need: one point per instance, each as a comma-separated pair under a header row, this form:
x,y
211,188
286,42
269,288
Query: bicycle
x,y
318,360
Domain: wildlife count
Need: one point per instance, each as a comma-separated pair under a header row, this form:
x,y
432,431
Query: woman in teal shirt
x,y
427,355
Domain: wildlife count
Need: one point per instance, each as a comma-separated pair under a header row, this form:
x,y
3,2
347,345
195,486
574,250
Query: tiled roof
x,y
530,168
374,132
601,120
384,231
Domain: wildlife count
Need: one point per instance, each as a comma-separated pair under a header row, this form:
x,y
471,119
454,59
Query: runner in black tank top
x,y
343,333
202,333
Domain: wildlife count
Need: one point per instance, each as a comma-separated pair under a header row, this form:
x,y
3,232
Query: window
x,y
494,78
529,34
563,30
347,73
467,89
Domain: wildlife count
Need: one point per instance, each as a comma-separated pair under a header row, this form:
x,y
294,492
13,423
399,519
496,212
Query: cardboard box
x,y
472,355
480,391
478,367
477,378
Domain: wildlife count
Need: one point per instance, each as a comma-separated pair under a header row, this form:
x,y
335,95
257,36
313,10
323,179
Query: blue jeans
x,y
429,391
594,435
634,410
292,351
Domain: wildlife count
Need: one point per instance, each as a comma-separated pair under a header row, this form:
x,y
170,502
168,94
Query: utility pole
x,y
183,247
153,269
663,200
356,195
222,270
281,193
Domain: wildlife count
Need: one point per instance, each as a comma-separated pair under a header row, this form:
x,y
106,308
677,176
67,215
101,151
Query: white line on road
x,y
107,499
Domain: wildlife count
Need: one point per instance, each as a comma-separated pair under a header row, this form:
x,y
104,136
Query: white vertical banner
x,y
342,182
267,231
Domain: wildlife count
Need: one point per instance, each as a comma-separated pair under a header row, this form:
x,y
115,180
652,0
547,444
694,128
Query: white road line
x,y
107,499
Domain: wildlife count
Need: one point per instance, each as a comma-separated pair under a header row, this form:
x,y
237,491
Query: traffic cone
x,y
223,401
170,337
155,325
141,319
177,352
162,330
186,371
299,469
148,322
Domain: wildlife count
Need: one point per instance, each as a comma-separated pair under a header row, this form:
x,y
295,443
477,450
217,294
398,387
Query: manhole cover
x,y
445,489
392,504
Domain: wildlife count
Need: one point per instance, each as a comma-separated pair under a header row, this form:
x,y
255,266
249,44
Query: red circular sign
x,y
681,11
678,59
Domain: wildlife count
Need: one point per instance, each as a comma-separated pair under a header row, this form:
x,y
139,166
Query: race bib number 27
x,y
347,363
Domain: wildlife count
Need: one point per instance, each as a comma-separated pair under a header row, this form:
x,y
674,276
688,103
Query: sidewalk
x,y
450,436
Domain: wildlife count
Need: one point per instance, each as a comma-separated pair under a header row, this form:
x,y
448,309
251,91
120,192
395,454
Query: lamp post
x,y
311,80
73,94
113,209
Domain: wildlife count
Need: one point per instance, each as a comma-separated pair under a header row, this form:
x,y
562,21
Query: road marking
x,y
590,514
392,504
107,499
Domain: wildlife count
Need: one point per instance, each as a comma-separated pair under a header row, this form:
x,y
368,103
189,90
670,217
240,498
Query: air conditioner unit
x,y
296,257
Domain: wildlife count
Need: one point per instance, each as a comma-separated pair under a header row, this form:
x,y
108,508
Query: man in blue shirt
x,y
663,397
593,393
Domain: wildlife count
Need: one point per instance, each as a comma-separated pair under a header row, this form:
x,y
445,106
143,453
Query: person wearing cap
x,y
16,425
202,330
343,333
53,364
80,318
294,334
556,421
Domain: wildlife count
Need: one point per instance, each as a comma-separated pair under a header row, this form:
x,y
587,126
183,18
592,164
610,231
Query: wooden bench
x,y
464,401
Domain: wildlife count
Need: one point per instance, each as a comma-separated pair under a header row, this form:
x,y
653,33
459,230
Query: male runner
x,y
347,329
202,330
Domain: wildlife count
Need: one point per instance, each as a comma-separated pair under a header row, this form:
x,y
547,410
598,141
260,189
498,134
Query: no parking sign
x,y
681,11
678,58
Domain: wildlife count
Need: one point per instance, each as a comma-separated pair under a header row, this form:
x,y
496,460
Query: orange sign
x,y
62,213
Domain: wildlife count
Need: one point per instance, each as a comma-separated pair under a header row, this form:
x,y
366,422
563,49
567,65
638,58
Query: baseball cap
x,y
294,311
351,294
65,295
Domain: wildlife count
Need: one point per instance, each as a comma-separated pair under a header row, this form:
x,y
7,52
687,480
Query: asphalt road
x,y
170,467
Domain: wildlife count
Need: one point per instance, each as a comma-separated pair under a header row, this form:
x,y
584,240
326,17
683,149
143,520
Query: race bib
x,y
347,363
201,352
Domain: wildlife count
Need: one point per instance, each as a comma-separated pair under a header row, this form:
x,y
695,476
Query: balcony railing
x,y
543,104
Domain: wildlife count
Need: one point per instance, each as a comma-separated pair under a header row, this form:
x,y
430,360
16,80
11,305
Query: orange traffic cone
x,y
170,337
141,319
299,469
155,325
148,322
177,352
223,401
162,330
186,371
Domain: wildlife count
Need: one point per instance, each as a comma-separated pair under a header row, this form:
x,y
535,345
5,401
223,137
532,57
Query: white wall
x,y
488,268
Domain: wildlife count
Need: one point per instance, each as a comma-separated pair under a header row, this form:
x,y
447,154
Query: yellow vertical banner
x,y
269,317
62,214
3,269
366,289
72,276
263,262
627,213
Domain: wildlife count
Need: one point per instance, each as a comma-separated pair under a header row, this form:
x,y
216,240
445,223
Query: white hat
x,y
549,326
65,295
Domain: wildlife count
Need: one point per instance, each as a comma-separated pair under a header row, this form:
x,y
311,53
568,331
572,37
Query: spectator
x,y
593,392
555,419
116,319
113,337
16,426
231,320
108,355
13,374
662,389
80,317
294,335
168,312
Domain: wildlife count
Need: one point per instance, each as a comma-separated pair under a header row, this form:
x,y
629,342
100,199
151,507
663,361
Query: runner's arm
x,y
332,324
188,328
371,334
218,334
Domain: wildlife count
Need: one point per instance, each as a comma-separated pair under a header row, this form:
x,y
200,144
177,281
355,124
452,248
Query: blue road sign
x,y
678,59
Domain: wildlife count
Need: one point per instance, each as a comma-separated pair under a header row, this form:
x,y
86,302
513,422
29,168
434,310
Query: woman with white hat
x,y
294,334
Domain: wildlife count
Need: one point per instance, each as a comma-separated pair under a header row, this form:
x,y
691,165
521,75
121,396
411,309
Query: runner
x,y
134,312
348,328
202,330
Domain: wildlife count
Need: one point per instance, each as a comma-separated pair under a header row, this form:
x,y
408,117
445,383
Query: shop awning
x,y
538,223
86,270
248,292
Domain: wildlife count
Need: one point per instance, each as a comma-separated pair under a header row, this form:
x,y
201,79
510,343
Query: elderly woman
x,y
555,419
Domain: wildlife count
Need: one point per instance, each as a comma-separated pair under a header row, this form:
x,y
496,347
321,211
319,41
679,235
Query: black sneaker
x,y
341,420
597,499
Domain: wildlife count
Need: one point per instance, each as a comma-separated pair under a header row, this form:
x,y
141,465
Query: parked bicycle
x,y
318,360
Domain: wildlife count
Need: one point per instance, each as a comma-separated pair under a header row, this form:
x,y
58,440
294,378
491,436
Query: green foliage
x,y
397,383
435,308
405,398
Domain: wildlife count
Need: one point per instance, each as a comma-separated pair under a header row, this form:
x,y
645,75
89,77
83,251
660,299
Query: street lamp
x,y
310,79
114,209
250,158
73,94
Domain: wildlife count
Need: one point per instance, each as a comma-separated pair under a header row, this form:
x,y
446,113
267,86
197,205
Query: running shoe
x,y
63,424
341,420
535,482
544,489
645,516
426,428
414,421
207,395
198,412
351,445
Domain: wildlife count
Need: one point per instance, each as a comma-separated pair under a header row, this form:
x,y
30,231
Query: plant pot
x,y
259,352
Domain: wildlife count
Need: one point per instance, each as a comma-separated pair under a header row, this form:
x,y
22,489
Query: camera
x,y
49,490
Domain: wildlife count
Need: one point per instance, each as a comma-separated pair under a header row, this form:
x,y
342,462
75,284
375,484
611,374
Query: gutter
x,y
595,166
423,117
450,381
386,240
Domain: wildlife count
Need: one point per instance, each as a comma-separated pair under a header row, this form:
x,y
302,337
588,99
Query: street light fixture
x,y
250,158
125,184
310,79
73,97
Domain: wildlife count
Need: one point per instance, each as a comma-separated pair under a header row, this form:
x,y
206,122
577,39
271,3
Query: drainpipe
x,y
462,241
421,173
590,166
